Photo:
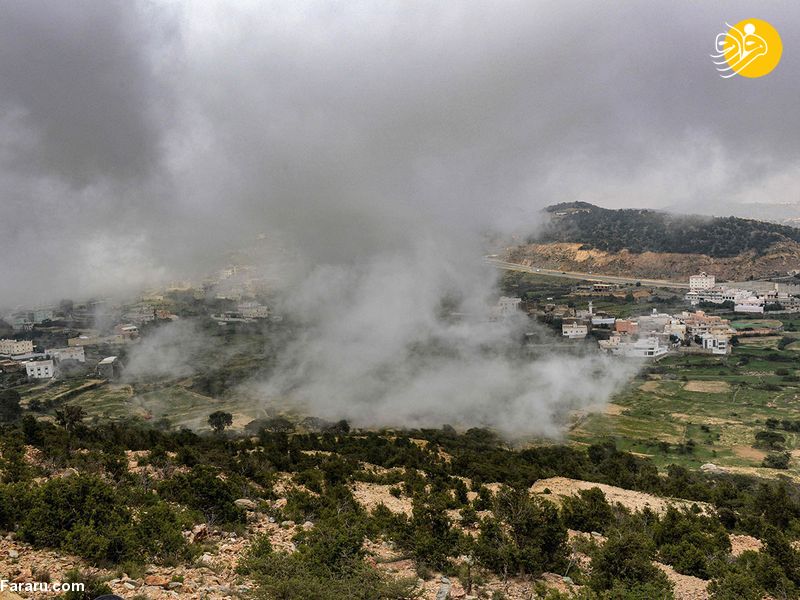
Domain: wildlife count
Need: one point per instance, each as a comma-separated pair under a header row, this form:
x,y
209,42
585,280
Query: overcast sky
x,y
139,139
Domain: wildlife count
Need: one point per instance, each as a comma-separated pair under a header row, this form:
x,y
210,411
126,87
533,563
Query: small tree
x,y
589,511
10,409
70,417
219,420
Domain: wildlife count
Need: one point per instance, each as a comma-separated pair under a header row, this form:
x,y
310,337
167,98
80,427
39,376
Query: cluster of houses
x,y
121,334
16,355
703,288
652,335
46,365
245,312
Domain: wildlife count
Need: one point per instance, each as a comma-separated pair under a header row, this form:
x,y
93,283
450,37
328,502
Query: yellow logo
x,y
751,48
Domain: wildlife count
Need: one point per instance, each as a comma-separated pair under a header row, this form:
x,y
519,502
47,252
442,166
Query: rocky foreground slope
x,y
214,574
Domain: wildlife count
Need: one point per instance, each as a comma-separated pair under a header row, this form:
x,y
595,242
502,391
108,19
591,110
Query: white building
x,y
701,282
650,347
715,344
603,320
750,305
574,331
39,369
71,353
253,310
109,367
14,347
718,294
655,322
507,306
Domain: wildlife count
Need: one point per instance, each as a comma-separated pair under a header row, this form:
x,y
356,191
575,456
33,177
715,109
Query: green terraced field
x,y
691,410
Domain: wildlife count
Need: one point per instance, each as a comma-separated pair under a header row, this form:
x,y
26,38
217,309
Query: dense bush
x,y
327,566
526,536
109,514
205,490
588,511
626,560
690,541
86,516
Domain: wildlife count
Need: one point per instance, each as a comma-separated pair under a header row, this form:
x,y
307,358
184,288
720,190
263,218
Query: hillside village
x,y
45,342
654,334
84,339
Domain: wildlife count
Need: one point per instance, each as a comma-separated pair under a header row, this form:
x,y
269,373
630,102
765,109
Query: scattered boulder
x,y
245,503
444,588
198,533
156,580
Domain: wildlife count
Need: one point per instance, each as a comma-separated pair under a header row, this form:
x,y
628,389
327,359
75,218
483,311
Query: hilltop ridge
x,y
647,230
582,237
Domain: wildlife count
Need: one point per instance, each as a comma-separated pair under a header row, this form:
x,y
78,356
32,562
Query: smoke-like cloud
x,y
407,340
173,350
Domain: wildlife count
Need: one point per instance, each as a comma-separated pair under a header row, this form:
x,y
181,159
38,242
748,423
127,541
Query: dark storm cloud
x,y
141,138
75,76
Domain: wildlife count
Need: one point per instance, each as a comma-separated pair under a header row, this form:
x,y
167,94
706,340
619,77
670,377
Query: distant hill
x,y
642,230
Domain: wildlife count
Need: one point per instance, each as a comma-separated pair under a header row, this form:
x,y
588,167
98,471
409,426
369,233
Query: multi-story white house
x,y
701,282
71,353
40,369
649,347
507,306
14,347
574,330
715,344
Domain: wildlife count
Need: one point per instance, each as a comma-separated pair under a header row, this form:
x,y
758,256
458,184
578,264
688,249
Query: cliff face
x,y
778,259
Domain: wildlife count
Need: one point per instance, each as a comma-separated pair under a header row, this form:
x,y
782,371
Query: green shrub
x,y
626,559
328,566
588,511
202,489
80,514
526,536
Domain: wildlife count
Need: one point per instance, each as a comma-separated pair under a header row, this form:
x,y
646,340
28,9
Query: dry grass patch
x,y
650,386
749,453
707,387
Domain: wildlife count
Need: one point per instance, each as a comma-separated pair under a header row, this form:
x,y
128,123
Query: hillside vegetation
x,y
275,516
640,230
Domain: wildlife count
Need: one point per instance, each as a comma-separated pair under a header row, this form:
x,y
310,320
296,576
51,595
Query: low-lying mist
x,y
408,339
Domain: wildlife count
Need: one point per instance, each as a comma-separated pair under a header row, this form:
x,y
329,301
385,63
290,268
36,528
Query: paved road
x,y
659,283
